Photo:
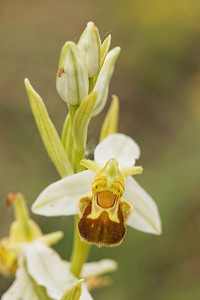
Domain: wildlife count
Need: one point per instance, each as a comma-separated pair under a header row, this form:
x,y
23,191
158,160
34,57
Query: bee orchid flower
x,y
105,196
23,231
41,268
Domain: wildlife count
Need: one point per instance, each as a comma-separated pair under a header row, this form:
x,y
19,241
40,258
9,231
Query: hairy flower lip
x,y
101,230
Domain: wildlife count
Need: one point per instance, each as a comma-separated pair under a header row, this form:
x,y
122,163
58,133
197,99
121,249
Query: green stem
x,y
80,251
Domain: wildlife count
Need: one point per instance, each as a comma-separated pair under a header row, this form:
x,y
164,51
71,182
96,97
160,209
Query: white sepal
x,y
60,197
23,287
47,268
119,146
145,216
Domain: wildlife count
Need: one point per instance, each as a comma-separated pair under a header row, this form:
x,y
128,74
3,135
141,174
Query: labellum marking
x,y
101,231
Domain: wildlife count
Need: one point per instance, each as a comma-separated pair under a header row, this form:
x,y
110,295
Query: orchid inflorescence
x,y
101,193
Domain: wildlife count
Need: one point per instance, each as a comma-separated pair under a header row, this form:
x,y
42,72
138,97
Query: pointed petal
x,y
118,146
98,268
48,269
60,197
145,216
22,288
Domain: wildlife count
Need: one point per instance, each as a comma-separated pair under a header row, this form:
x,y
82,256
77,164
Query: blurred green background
x,y
157,79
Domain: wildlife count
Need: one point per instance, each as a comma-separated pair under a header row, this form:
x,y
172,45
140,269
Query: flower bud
x,y
90,47
72,76
103,80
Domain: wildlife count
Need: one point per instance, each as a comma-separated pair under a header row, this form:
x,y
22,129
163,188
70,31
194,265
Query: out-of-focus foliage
x,y
157,79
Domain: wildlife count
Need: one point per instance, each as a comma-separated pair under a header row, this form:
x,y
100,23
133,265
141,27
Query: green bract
x,y
48,132
110,123
75,292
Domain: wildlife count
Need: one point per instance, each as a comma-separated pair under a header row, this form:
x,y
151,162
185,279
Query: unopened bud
x,y
90,47
72,76
102,84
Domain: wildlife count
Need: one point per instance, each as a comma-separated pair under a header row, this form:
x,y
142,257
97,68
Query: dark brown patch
x,y
102,231
61,71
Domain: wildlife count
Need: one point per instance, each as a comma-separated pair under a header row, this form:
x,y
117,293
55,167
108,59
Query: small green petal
x,y
48,133
51,238
90,165
128,171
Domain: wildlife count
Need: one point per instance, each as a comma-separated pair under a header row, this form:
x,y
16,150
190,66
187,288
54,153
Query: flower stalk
x,y
80,251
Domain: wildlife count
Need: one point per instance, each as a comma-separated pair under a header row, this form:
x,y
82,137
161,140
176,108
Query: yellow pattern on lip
x,y
103,213
102,230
